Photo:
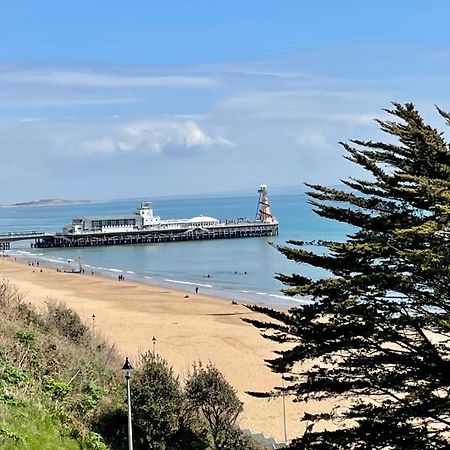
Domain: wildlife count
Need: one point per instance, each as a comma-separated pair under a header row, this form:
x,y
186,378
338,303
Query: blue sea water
x,y
240,269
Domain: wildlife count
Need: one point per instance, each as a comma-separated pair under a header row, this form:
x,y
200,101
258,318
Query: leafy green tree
x,y
157,401
233,439
376,331
210,395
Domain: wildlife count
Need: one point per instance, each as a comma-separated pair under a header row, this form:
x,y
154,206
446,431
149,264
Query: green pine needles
x,y
377,330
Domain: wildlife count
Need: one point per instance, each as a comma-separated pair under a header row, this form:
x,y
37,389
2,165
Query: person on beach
x,y
196,290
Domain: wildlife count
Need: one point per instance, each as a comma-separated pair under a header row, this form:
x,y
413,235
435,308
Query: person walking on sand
x,y
196,290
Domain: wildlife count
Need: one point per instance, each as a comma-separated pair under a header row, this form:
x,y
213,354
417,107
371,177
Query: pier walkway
x,y
97,238
229,231
13,236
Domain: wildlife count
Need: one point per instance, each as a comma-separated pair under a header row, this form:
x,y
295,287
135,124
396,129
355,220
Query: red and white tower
x,y
263,213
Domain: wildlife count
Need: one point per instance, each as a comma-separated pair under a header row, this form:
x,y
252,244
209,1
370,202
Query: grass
x,y
59,382
29,428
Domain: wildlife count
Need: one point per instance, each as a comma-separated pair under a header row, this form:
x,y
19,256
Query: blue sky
x,y
105,99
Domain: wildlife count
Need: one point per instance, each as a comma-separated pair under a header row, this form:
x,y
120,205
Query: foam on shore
x,y
241,295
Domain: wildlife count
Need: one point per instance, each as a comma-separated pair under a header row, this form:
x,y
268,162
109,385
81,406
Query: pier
x,y
7,238
143,227
229,231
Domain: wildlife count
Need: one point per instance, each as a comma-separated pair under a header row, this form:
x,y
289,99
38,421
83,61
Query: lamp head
x,y
127,369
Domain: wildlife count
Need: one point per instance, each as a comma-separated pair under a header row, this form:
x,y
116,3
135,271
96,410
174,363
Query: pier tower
x,y
263,213
146,212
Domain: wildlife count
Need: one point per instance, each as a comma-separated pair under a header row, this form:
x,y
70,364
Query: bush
x,y
67,322
26,338
55,388
233,439
157,403
211,396
13,375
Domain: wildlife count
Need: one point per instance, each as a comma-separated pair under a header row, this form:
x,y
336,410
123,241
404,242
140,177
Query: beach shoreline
x,y
188,328
208,285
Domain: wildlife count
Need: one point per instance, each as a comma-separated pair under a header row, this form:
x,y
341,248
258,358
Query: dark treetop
x,y
377,330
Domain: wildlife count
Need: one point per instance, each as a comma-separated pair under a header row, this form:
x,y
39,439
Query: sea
x,y
243,269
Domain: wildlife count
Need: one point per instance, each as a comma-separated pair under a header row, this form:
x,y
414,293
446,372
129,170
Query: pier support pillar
x,y
5,246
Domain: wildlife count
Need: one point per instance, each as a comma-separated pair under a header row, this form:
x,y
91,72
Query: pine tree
x,y
377,330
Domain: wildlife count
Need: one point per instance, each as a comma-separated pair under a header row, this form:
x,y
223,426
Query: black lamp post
x,y
154,346
284,411
127,371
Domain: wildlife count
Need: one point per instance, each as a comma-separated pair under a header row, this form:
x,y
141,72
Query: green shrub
x,y
67,322
25,337
157,402
211,396
233,439
13,375
6,435
6,398
55,388
91,396
95,442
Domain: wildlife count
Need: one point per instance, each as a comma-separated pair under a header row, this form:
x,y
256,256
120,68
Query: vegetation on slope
x,y
56,379
60,389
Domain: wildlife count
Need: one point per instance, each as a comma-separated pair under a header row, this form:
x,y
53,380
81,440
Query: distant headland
x,y
50,202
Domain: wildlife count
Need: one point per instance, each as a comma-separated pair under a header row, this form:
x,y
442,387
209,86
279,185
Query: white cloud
x,y
32,119
251,99
355,118
156,136
314,141
107,80
102,145
50,101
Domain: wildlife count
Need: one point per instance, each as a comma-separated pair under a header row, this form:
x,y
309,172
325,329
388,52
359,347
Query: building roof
x,y
203,219
113,217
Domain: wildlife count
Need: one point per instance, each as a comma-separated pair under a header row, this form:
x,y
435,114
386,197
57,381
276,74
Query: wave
x,y
190,283
57,261
298,300
24,252
284,297
227,292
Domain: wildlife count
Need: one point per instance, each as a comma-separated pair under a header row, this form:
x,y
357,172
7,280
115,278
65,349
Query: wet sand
x,y
187,330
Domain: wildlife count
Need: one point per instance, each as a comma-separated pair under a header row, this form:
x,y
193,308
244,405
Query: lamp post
x,y
93,322
154,346
127,370
284,410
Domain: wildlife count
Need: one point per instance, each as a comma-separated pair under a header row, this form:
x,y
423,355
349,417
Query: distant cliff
x,y
51,201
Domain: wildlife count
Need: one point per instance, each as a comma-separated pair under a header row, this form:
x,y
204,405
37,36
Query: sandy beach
x,y
197,328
